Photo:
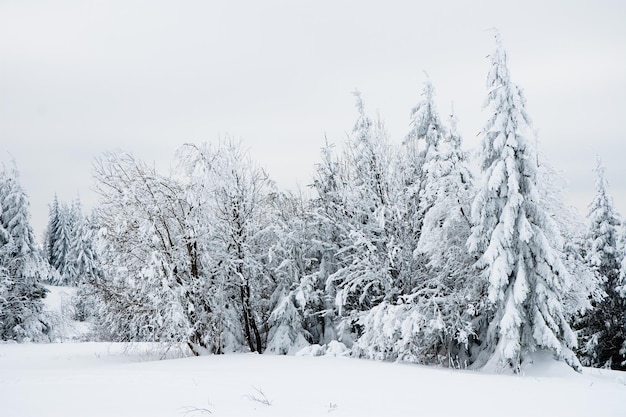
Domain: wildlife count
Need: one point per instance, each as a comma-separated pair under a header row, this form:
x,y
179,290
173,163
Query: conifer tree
x,y
22,268
431,322
603,328
521,267
82,258
52,229
419,148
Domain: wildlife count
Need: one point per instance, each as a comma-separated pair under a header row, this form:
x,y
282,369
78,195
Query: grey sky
x,y
81,77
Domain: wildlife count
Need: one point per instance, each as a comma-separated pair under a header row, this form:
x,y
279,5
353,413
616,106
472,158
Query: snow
x,y
59,311
103,379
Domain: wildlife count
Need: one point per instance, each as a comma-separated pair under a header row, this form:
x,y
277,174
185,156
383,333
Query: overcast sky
x,y
81,77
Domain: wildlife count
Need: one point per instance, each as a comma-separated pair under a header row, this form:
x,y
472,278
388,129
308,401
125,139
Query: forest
x,y
402,252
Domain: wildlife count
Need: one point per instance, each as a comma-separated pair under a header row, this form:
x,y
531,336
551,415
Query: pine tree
x,y
420,159
52,229
82,257
603,329
423,143
521,266
22,267
297,317
431,322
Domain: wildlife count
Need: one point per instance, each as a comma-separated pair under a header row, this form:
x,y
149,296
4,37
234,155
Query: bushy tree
x,y
522,267
154,285
234,192
363,215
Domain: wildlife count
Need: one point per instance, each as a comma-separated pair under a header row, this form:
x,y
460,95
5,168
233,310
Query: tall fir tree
x,y
522,268
22,268
82,257
52,229
603,328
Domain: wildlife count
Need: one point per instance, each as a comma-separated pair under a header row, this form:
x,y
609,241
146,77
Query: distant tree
x,y
82,258
22,268
522,267
61,242
52,230
68,244
603,329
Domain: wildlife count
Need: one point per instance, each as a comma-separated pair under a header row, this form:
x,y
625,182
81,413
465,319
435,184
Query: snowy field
x,y
101,379
113,379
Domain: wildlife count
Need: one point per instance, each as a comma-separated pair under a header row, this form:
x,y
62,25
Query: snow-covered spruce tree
x,y
82,257
61,241
66,247
432,321
52,231
603,328
621,287
299,300
155,284
418,148
331,220
522,267
421,148
88,264
585,285
22,267
234,193
366,259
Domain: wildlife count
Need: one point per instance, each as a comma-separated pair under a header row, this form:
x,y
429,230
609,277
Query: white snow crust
x,y
103,379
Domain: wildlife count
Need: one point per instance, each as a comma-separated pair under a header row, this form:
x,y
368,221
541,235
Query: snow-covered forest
x,y
404,251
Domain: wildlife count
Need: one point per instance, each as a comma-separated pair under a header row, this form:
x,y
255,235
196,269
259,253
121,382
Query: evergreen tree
x,y
82,258
603,329
22,268
585,287
60,237
52,229
419,148
521,266
431,322
69,245
298,302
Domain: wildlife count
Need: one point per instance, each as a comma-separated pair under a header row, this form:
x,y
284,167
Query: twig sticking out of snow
x,y
191,411
259,397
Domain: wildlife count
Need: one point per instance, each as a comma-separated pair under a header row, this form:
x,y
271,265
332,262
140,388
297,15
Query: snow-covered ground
x,y
104,379
100,379
59,312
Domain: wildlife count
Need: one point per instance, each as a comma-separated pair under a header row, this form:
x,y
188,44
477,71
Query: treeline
x,y
401,254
